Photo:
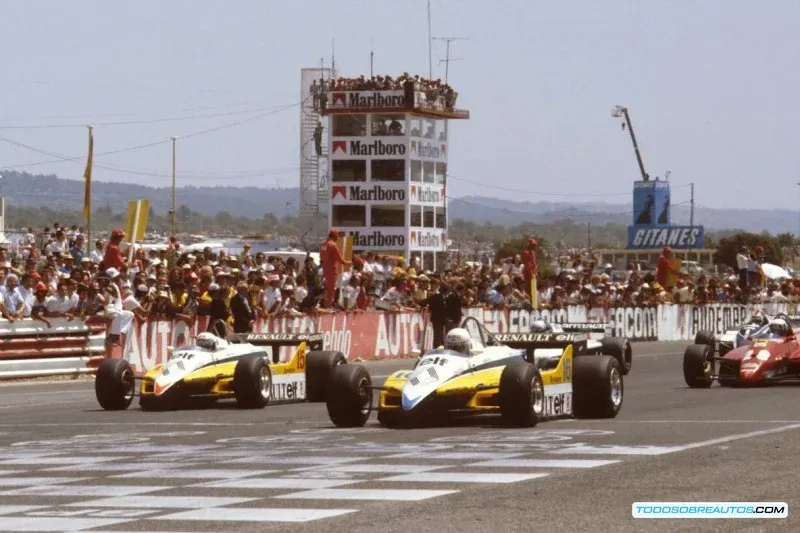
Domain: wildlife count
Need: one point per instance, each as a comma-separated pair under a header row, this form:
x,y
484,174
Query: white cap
x,y
112,273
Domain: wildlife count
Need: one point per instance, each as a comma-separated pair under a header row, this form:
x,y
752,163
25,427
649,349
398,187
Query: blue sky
x,y
711,87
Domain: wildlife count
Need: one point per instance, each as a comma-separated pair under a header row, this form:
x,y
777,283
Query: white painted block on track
x,y
67,460
463,477
612,449
42,524
545,463
382,468
455,455
195,474
83,490
112,467
296,460
11,509
173,449
278,483
4,456
368,494
32,481
242,514
163,502
10,472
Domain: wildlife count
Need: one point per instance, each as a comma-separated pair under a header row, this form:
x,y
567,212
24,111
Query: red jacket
x,y
113,257
529,262
330,257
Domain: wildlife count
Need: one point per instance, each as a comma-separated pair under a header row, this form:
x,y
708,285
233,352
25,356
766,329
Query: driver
x,y
780,327
759,318
540,326
207,340
459,340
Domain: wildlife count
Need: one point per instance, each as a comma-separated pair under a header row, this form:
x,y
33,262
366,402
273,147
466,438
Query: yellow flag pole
x,y
87,193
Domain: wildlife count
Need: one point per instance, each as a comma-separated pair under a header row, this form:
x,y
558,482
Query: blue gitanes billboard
x,y
676,237
650,203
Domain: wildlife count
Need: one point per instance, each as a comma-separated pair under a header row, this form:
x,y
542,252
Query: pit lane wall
x,y
29,348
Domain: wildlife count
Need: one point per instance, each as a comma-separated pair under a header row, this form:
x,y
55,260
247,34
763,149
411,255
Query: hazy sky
x,y
711,85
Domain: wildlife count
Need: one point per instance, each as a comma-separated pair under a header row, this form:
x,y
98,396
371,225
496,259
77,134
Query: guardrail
x,y
28,348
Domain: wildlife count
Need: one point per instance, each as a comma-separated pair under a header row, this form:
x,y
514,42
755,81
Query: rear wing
x,y
531,342
276,341
596,331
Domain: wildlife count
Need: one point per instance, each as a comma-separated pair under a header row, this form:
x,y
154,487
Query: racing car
x,y
772,355
219,368
600,342
735,337
484,373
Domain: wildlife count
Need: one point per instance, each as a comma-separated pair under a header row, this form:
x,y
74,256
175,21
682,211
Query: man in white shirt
x,y
742,262
272,294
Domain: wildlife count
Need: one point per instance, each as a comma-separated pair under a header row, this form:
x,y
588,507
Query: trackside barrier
x,y
28,348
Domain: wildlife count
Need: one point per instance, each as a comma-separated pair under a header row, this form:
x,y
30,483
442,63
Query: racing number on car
x,y
301,360
568,369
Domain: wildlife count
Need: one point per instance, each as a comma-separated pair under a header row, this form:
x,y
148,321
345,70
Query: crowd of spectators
x,y
435,90
53,274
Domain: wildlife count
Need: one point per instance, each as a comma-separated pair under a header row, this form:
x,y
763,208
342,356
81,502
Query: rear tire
x,y
597,387
521,395
319,367
621,350
698,366
349,400
115,384
252,383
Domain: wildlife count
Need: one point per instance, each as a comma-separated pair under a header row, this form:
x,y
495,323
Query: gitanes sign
x,y
362,100
341,149
364,193
676,237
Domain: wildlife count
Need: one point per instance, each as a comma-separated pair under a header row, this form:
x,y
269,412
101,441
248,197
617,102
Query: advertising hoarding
x,y
651,203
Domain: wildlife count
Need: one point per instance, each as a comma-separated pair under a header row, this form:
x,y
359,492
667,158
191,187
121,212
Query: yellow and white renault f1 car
x,y
525,377
215,368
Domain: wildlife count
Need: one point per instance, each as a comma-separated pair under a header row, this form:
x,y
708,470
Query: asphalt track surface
x,y
66,465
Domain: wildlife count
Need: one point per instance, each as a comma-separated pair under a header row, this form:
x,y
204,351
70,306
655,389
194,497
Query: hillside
x,y
25,190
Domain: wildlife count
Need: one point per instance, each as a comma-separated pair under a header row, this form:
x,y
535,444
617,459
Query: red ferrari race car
x,y
772,356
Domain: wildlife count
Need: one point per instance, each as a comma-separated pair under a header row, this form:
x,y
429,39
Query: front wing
x,y
478,392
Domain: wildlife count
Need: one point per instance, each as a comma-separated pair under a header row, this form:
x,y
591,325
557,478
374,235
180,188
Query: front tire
x,y
597,387
521,395
705,337
319,366
698,366
621,350
252,383
349,399
115,384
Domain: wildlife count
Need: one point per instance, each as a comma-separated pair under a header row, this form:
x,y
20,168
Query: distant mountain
x,y
26,190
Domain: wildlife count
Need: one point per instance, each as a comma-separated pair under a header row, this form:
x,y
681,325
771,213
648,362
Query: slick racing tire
x,y
620,349
698,366
349,399
319,366
252,383
705,337
597,387
115,384
521,395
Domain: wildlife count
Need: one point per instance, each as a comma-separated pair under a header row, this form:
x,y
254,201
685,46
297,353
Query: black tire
x,y
698,366
115,384
705,337
349,396
521,395
597,387
252,383
319,366
621,350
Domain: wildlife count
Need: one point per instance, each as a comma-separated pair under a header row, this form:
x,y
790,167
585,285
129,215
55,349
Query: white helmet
x,y
458,340
207,340
780,326
539,326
